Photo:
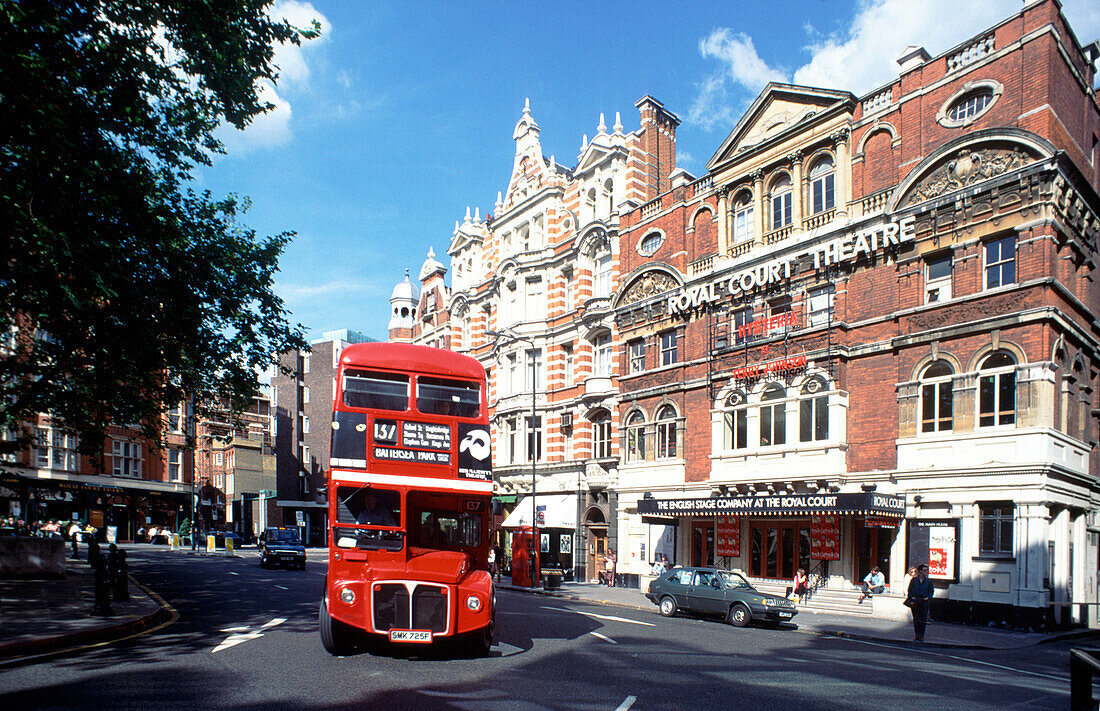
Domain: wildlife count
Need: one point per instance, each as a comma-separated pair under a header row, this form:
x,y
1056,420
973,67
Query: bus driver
x,y
372,513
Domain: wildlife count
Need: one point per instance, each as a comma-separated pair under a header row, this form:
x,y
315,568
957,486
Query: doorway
x,y
872,548
778,549
702,543
597,552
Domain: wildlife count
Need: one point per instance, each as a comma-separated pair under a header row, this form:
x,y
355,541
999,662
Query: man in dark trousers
x,y
918,599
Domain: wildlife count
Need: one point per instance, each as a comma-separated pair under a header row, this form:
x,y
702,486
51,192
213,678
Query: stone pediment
x,y
778,108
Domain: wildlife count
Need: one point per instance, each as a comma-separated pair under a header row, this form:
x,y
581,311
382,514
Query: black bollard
x,y
102,588
112,565
122,578
93,551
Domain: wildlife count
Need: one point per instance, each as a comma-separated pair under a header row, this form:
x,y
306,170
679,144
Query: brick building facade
x,y
868,335
540,272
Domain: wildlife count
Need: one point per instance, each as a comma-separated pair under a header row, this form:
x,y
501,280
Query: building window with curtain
x,y
743,220
601,350
635,437
666,432
637,355
813,412
823,185
937,397
781,202
601,275
668,348
735,418
601,434
997,390
773,416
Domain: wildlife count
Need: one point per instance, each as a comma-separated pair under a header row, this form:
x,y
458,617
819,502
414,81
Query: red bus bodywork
x,y
409,496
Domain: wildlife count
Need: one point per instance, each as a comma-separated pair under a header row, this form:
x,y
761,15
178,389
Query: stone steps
x,y
822,600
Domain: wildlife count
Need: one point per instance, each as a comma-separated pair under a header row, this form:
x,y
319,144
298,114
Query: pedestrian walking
x,y
918,599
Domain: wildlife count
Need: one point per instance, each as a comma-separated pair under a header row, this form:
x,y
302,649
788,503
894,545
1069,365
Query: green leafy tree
x,y
121,288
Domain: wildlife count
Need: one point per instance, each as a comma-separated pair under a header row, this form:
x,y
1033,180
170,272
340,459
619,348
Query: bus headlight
x,y
347,595
473,603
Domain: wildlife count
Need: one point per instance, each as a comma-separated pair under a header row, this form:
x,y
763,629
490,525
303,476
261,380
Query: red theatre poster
x,y
729,536
825,537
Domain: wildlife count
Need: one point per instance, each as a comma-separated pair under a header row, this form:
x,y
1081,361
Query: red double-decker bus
x,y
409,493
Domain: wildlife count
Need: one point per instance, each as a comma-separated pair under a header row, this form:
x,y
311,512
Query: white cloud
x,y
741,66
266,130
274,127
862,56
297,292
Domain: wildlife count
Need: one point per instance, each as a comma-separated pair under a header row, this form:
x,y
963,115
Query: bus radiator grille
x,y
392,608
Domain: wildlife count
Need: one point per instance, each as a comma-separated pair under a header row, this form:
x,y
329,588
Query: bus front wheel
x,y
337,637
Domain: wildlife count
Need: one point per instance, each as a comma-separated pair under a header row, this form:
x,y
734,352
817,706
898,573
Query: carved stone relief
x,y
965,167
649,284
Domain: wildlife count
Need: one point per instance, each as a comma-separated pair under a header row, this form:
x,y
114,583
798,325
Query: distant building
x,y
303,414
133,485
235,467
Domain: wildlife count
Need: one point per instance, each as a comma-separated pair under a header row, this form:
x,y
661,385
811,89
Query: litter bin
x,y
552,580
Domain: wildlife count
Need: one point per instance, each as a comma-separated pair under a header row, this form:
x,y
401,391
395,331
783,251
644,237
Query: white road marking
x,y
603,637
617,619
281,587
242,634
627,703
233,573
600,617
932,653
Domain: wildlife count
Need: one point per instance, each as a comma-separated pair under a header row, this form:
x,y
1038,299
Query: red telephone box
x,y
525,542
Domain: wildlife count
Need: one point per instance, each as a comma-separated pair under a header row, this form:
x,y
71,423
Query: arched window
x,y
997,390
609,195
635,437
937,398
601,434
735,431
781,202
743,224
773,416
823,185
666,432
813,411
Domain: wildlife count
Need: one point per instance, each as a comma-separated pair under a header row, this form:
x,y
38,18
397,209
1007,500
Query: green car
x,y
717,592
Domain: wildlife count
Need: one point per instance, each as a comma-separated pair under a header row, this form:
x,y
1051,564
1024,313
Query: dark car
x,y
712,591
281,545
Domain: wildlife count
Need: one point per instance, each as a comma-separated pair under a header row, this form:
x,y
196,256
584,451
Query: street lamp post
x,y
512,338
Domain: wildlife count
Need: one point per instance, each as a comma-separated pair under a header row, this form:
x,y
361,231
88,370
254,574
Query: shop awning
x,y
560,512
868,503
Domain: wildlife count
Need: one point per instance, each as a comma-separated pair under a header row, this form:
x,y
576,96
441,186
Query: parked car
x,y
281,545
717,592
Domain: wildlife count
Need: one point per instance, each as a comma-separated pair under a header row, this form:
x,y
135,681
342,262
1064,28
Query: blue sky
x,y
401,114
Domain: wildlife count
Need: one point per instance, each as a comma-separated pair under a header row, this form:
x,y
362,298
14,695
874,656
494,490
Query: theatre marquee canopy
x,y
859,504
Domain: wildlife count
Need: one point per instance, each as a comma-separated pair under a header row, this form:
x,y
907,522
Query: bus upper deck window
x,y
440,396
377,391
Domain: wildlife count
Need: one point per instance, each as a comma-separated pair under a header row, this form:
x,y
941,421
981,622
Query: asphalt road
x,y
247,638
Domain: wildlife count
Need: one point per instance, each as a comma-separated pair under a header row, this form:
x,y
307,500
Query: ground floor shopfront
x,y
116,507
829,536
1018,549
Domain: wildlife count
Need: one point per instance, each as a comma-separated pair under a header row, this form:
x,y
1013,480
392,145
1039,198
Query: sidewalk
x,y
43,616
938,634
